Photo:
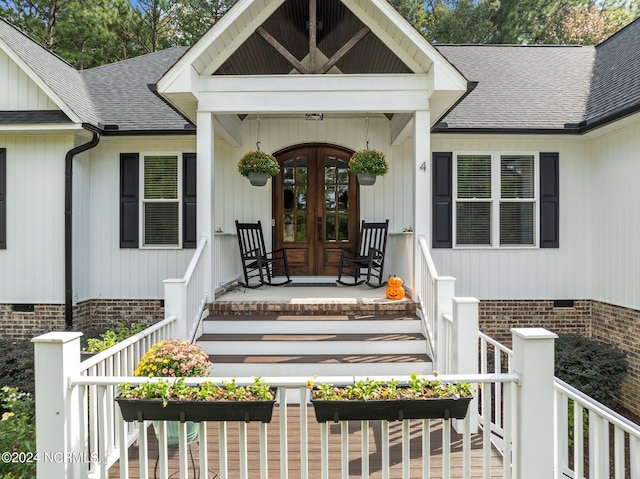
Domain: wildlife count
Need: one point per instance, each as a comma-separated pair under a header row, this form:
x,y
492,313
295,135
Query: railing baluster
x,y
264,463
284,441
406,449
426,448
222,445
344,430
364,431
384,426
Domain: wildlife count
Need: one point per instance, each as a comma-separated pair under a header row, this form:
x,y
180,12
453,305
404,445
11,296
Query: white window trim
x,y
143,156
496,198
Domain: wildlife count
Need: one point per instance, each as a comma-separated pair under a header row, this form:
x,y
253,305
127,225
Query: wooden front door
x,y
315,207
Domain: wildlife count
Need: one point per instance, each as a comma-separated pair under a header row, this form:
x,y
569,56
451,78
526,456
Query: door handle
x,y
319,227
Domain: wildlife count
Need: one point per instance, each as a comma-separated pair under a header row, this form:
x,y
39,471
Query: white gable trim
x,y
256,11
39,82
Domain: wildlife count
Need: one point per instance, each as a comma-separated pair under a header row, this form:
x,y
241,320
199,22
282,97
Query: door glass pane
x,y
330,228
288,227
295,199
336,199
301,227
343,227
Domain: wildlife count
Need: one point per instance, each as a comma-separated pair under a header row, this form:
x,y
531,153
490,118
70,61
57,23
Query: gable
x,y
359,43
19,91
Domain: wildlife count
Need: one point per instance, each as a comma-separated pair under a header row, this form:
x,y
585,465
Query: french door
x,y
315,206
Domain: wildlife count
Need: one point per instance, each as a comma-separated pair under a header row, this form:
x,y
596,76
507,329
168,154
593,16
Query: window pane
x,y
473,223
161,224
474,176
516,223
516,176
160,177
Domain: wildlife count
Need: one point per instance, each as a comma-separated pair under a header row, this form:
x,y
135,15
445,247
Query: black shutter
x,y
549,200
189,187
3,198
442,199
129,193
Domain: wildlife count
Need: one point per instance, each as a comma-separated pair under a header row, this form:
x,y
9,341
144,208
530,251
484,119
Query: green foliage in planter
x,y
369,389
595,368
368,161
258,162
16,367
112,337
208,391
17,432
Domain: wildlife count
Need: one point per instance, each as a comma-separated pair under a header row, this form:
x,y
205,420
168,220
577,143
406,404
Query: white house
x,y
518,164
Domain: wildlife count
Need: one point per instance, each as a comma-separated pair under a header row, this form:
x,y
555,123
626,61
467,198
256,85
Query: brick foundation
x,y
97,314
604,322
621,327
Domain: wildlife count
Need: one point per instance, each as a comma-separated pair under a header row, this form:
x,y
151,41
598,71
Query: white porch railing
x,y
186,297
435,297
584,450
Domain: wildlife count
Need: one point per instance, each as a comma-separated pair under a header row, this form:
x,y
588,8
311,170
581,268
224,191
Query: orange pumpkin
x,y
395,289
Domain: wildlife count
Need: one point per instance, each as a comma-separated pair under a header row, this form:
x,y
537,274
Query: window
x,y
495,200
161,205
158,194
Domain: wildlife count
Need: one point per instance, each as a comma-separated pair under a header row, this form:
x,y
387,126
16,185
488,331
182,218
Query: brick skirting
x,y
604,322
23,322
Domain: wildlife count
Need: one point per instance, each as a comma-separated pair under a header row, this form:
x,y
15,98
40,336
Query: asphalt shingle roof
x,y
58,75
124,93
521,87
615,86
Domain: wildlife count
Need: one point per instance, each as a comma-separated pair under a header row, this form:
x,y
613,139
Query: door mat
x,y
310,285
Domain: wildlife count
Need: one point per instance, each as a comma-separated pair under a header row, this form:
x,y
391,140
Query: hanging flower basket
x,y
367,165
372,400
258,166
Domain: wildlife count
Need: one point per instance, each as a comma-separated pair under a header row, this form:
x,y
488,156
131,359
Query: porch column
x,y
421,190
205,192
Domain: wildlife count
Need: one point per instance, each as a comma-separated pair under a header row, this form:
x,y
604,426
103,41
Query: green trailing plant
x,y
369,161
112,337
17,433
258,162
167,390
418,387
595,368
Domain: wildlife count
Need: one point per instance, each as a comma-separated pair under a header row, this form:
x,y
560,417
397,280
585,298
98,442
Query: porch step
x,y
267,339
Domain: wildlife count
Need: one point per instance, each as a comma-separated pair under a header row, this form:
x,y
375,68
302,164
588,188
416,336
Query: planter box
x,y
195,411
391,410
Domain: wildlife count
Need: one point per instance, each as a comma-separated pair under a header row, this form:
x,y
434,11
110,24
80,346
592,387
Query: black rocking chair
x,y
369,259
256,261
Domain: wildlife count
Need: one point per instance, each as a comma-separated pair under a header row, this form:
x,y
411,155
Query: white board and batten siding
x,y
616,213
114,272
18,91
32,266
531,273
390,198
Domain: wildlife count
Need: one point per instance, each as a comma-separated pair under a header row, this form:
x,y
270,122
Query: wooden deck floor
x,y
314,459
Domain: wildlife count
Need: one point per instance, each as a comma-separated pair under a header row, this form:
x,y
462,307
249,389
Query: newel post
x,y
175,304
464,344
533,360
445,289
57,357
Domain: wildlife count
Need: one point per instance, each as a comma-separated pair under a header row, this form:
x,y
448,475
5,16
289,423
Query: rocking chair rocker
x,y
369,259
256,261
